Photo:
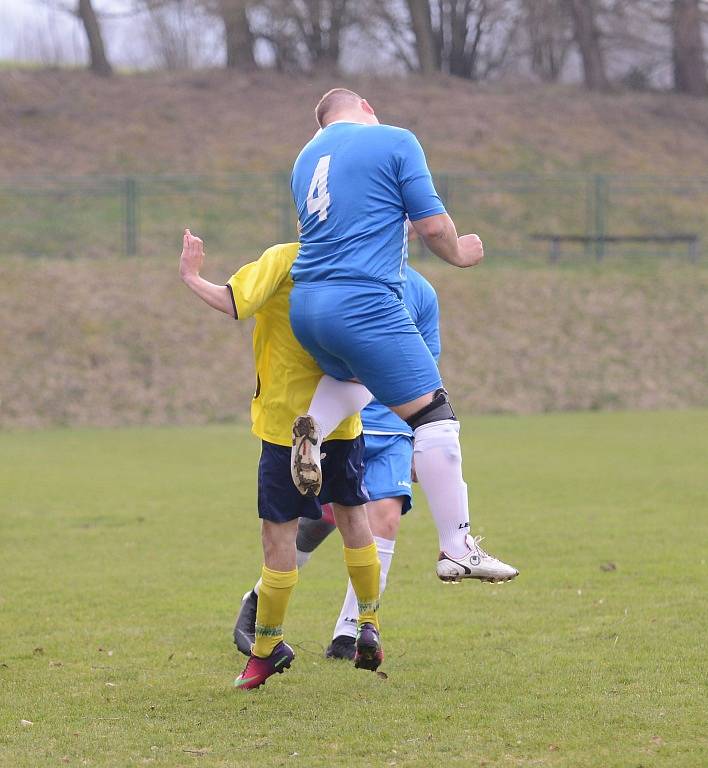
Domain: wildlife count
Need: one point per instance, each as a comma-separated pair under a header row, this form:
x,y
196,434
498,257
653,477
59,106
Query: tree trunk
x,y
425,44
458,64
588,39
99,63
237,35
688,57
547,31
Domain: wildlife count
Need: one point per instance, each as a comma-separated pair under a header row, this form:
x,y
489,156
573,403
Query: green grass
x,y
123,555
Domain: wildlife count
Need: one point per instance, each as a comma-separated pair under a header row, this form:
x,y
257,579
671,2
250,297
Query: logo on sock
x,y
462,526
368,606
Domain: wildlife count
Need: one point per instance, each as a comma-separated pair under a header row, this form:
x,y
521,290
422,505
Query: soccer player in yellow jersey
x,y
286,380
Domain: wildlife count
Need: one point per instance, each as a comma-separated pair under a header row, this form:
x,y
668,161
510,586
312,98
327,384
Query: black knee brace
x,y
439,409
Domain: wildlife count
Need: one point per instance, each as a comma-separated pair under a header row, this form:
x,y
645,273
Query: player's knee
x,y
385,517
438,409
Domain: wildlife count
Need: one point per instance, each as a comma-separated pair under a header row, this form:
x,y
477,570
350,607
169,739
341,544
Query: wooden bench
x,y
690,239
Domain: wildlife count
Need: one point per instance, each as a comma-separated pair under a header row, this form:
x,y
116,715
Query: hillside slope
x,y
107,343
110,341
206,122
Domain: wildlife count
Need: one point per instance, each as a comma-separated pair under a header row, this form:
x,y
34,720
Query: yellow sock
x,y
364,571
273,596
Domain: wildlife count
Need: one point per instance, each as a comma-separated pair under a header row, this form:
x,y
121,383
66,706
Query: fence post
x,y
600,201
131,217
589,213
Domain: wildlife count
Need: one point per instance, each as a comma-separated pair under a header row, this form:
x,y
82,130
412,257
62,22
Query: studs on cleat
x,y
305,457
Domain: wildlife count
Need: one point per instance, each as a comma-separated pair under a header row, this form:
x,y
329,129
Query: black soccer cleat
x,y
342,647
245,627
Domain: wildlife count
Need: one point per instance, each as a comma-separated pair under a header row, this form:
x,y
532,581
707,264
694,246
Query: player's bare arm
x,y
190,265
439,234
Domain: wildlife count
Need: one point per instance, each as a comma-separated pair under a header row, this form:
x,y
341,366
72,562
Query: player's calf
x,y
438,461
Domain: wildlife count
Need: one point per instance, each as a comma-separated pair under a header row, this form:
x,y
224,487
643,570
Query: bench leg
x,y
693,250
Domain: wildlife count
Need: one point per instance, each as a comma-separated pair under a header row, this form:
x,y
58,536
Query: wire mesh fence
x,y
561,217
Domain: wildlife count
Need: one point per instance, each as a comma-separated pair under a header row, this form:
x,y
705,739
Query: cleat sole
x,y
307,476
368,661
482,580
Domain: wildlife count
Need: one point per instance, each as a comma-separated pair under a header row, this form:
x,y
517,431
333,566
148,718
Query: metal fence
x,y
518,216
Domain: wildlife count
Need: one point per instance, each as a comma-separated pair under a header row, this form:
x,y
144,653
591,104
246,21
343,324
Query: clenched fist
x,y
471,250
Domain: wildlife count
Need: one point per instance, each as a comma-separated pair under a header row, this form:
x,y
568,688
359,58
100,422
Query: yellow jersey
x,y
286,375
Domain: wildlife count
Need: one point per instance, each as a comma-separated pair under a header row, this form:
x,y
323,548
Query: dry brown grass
x,y
125,343
206,122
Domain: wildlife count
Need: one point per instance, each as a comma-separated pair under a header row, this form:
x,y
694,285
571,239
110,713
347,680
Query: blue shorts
x,y
387,468
362,330
343,481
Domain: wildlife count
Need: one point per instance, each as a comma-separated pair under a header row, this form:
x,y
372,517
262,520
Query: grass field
x,y
123,555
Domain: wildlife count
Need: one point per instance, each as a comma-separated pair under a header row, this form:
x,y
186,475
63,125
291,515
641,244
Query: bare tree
x,y
170,33
668,38
426,43
467,38
549,35
85,12
587,36
304,34
238,36
688,55
99,64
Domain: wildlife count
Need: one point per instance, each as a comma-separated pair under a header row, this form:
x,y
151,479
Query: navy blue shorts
x,y
343,481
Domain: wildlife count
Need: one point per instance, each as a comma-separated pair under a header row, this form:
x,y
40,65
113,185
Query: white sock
x,y
335,401
438,464
349,615
301,559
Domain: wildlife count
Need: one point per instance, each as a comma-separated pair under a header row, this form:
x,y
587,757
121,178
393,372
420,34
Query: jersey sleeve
x,y
428,320
419,196
255,283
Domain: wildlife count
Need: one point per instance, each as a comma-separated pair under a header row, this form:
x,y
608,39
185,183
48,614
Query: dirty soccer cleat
x,y
368,651
258,670
476,564
305,456
342,647
245,627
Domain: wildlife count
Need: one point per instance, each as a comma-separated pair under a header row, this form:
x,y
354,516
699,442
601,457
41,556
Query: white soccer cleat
x,y
476,564
305,459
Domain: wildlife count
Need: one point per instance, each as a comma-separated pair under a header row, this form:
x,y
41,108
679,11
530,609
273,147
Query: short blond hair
x,y
332,102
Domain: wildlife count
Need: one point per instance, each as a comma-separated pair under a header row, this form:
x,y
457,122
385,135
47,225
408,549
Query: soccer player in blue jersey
x,y
354,185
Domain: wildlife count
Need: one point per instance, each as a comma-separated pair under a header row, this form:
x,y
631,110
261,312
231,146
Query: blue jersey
x,y
353,187
422,304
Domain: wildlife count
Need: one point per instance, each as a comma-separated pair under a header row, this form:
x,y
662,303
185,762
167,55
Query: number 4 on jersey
x,y
318,184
